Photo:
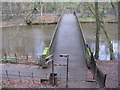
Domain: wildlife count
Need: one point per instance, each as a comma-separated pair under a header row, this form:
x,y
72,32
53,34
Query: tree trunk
x,y
119,19
107,36
97,31
109,42
41,4
114,8
118,28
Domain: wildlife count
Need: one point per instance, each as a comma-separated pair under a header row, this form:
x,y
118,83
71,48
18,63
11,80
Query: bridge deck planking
x,y
69,41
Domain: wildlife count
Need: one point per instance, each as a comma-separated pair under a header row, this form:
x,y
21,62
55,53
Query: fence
x,y
30,79
98,74
15,59
21,79
90,60
9,75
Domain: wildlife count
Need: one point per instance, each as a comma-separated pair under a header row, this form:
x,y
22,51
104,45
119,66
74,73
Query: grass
x,y
8,61
88,17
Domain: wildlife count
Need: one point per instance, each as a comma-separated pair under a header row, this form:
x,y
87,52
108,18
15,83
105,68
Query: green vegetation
x,y
88,17
8,61
46,52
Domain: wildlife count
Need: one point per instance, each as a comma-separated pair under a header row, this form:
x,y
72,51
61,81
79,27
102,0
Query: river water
x,y
26,40
89,33
31,40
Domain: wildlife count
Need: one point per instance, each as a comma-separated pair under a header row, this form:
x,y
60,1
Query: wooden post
x,y
104,80
16,57
53,72
27,58
19,76
46,75
5,56
32,78
7,75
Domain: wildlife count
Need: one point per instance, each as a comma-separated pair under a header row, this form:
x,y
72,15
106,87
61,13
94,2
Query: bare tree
x,y
102,25
118,27
97,31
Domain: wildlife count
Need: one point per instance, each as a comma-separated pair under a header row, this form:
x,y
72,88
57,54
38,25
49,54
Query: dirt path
x,y
111,69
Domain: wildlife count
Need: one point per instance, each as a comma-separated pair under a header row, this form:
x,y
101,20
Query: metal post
x,y
53,72
67,72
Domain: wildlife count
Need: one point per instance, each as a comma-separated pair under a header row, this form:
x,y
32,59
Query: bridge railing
x,y
90,60
97,73
49,50
53,41
81,31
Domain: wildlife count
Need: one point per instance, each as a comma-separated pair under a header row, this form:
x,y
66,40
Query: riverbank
x,y
41,20
91,19
52,19
111,69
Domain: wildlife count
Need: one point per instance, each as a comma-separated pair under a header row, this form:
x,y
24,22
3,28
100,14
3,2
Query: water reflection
x,y
31,40
89,33
25,40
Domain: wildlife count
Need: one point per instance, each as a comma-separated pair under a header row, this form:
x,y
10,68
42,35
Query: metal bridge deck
x,y
69,41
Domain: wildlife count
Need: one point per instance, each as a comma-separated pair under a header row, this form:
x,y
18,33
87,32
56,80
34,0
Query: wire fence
x,y
29,79
20,59
9,75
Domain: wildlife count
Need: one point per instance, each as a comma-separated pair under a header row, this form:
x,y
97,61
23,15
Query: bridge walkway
x,y
69,41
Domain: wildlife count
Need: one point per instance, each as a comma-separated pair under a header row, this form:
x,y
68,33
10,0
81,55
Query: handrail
x,y
98,74
49,50
54,34
84,41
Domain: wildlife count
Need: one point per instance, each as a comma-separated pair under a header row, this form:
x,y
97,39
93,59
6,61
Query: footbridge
x,y
68,39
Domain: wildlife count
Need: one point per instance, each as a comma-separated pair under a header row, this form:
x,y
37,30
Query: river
x,y
26,40
89,33
31,40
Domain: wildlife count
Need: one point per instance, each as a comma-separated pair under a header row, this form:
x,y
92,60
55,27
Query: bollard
x,y
5,56
32,78
7,75
46,75
19,76
16,57
27,58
